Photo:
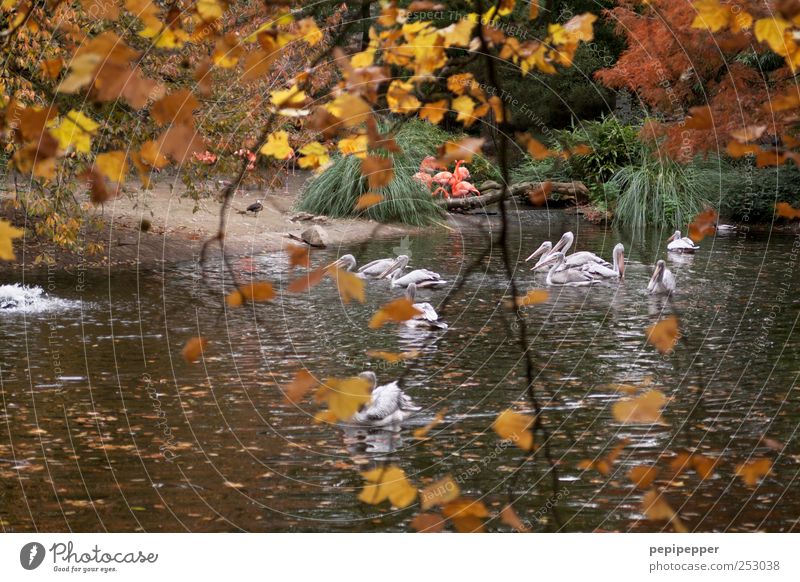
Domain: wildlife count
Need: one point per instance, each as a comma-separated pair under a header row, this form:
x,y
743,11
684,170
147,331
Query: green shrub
x,y
752,195
335,191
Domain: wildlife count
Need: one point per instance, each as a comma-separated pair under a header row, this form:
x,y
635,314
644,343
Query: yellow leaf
x,y
711,15
439,492
533,297
770,30
287,97
466,514
464,106
256,292
277,146
515,427
194,349
209,10
355,145
644,409
378,171
351,109
387,483
398,311
434,112
460,33
350,285
7,235
344,397
367,200
314,155
113,165
664,334
75,131
463,149
400,97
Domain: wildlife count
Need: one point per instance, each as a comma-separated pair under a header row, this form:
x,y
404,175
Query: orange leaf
x,y
466,514
656,508
515,427
463,149
434,111
398,311
664,334
644,409
643,476
428,523
350,286
753,471
378,171
194,349
439,492
366,200
538,196
533,297
307,281
703,225
256,292
508,516
700,118
392,356
299,256
303,382
786,210
736,149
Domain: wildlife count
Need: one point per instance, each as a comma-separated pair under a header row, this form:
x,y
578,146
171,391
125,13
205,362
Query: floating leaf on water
x,y
656,508
605,464
387,483
664,334
393,357
439,492
194,349
643,476
515,427
644,409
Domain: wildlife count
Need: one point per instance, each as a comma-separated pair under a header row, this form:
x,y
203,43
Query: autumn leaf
x,y
642,476
368,200
439,492
314,155
786,210
277,146
702,465
393,357
532,297
387,483
397,311
538,196
711,15
75,131
753,471
307,281
378,171
536,149
463,149
194,348
400,97
176,107
737,149
7,235
644,409
302,382
51,68
507,515
467,515
350,285
748,133
515,427
605,464
656,508
664,334
700,118
428,523
113,165
355,145
255,292
770,30
703,225
345,396
299,256
423,431
434,111
98,189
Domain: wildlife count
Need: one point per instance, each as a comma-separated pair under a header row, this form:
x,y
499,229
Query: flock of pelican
x,y
389,405
583,268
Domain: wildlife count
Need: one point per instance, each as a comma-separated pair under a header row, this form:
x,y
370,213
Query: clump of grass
x,y
335,191
660,190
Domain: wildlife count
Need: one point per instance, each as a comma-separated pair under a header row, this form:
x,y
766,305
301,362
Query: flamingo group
x,y
450,184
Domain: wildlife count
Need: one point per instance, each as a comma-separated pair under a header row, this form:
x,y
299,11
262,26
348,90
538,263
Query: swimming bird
x,y
255,207
662,281
578,258
544,249
616,271
420,277
558,275
428,318
388,405
372,270
678,244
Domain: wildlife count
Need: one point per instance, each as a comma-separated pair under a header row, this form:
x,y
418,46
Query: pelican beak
x,y
655,276
622,265
538,252
390,269
337,263
672,238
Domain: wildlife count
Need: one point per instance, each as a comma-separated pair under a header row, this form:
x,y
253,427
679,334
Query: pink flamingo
x,y
463,188
424,178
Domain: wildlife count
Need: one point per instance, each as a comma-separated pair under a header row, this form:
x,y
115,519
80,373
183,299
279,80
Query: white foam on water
x,y
18,298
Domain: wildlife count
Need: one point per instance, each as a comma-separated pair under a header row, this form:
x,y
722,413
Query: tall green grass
x,y
335,191
661,191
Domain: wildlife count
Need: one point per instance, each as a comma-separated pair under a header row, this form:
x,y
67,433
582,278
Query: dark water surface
x,y
104,427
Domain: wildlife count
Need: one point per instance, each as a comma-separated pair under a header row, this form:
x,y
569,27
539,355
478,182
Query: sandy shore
x,y
179,226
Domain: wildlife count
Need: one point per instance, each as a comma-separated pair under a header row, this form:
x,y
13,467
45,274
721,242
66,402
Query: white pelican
x,y
617,270
678,244
662,281
420,277
559,275
428,318
372,270
388,405
579,258
544,249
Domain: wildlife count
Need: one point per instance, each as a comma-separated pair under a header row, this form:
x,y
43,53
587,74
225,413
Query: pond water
x,y
106,428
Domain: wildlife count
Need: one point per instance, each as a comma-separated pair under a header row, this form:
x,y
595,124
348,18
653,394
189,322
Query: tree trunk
x,y
491,192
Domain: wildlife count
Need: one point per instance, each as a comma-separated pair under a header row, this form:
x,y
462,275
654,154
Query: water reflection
x,y
109,429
